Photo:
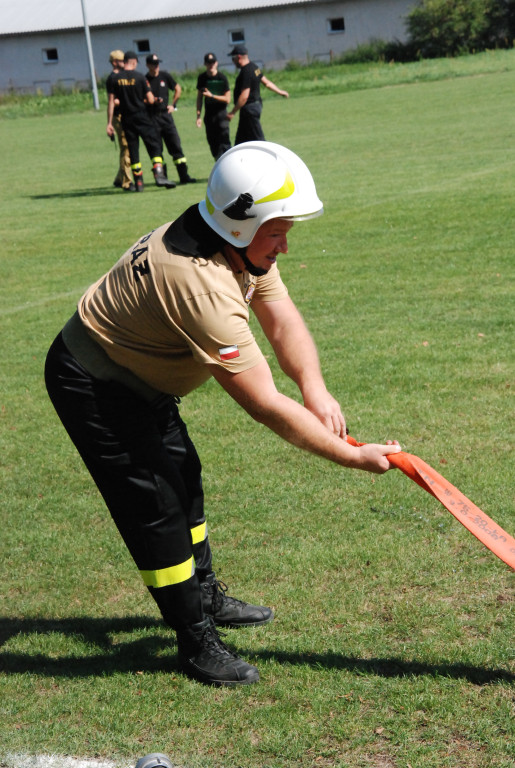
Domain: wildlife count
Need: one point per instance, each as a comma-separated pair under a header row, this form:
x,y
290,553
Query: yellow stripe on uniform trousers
x,y
199,533
174,574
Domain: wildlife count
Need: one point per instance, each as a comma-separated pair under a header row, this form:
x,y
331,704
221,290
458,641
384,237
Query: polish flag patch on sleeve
x,y
228,353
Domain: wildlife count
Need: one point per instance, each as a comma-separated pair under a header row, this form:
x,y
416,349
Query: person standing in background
x,y
161,83
213,89
247,96
133,92
123,178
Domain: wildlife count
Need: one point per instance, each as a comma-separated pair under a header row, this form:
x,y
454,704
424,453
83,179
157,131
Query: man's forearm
x,y
298,357
255,391
273,87
241,101
110,109
292,344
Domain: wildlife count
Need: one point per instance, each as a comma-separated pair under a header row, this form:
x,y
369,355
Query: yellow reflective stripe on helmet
x,y
164,577
199,533
209,205
287,190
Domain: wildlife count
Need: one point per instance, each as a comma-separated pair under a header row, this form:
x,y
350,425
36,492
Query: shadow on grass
x,y
101,191
92,192
145,653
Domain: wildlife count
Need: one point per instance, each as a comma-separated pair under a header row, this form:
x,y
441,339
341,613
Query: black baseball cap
x,y
238,50
153,59
209,58
130,55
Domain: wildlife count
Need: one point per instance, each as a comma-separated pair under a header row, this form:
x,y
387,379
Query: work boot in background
x,y
138,182
161,178
182,170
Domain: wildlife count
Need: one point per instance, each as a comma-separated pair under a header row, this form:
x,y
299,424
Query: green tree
x,y
449,27
501,24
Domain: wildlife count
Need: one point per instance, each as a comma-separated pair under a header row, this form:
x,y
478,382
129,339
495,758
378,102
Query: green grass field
x,y
393,640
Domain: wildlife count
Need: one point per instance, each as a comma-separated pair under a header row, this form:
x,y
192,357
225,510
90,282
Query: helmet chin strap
x,y
238,212
256,271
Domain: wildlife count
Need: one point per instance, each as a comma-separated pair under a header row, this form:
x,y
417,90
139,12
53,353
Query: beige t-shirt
x,y
168,317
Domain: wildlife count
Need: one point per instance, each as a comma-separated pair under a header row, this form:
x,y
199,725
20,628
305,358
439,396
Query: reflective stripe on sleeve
x,y
199,533
164,577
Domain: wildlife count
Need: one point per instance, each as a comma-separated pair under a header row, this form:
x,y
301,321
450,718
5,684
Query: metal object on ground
x,y
154,760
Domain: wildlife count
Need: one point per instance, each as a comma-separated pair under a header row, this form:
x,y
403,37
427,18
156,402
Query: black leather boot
x,y
227,611
184,177
204,657
138,182
161,178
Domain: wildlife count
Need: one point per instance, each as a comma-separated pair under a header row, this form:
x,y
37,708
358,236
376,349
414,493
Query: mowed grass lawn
x,y
393,640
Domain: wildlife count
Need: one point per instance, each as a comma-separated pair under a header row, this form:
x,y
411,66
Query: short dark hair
x,y
239,50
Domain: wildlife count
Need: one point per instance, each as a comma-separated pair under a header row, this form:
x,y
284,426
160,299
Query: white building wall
x,y
273,37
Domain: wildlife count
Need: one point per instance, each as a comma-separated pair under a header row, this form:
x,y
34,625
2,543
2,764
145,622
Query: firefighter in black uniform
x,y
161,83
247,96
131,89
213,89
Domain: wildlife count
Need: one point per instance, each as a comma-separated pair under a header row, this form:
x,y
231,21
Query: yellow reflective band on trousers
x,y
199,533
164,577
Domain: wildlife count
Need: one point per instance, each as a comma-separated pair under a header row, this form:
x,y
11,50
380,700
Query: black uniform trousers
x,y
165,125
217,132
138,125
147,470
249,125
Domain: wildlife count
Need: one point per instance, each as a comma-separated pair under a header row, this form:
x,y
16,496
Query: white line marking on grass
x,y
41,302
54,761
13,760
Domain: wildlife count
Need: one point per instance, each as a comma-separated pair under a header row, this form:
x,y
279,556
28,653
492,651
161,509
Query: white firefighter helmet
x,y
254,182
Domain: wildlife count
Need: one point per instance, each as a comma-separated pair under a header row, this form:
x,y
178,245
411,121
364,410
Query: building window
x,y
50,55
336,25
142,46
236,36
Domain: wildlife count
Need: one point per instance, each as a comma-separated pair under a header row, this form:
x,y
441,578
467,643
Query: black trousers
x,y
217,132
165,126
137,126
249,125
149,474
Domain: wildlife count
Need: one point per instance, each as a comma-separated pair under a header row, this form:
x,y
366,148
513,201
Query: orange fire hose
x,y
473,518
